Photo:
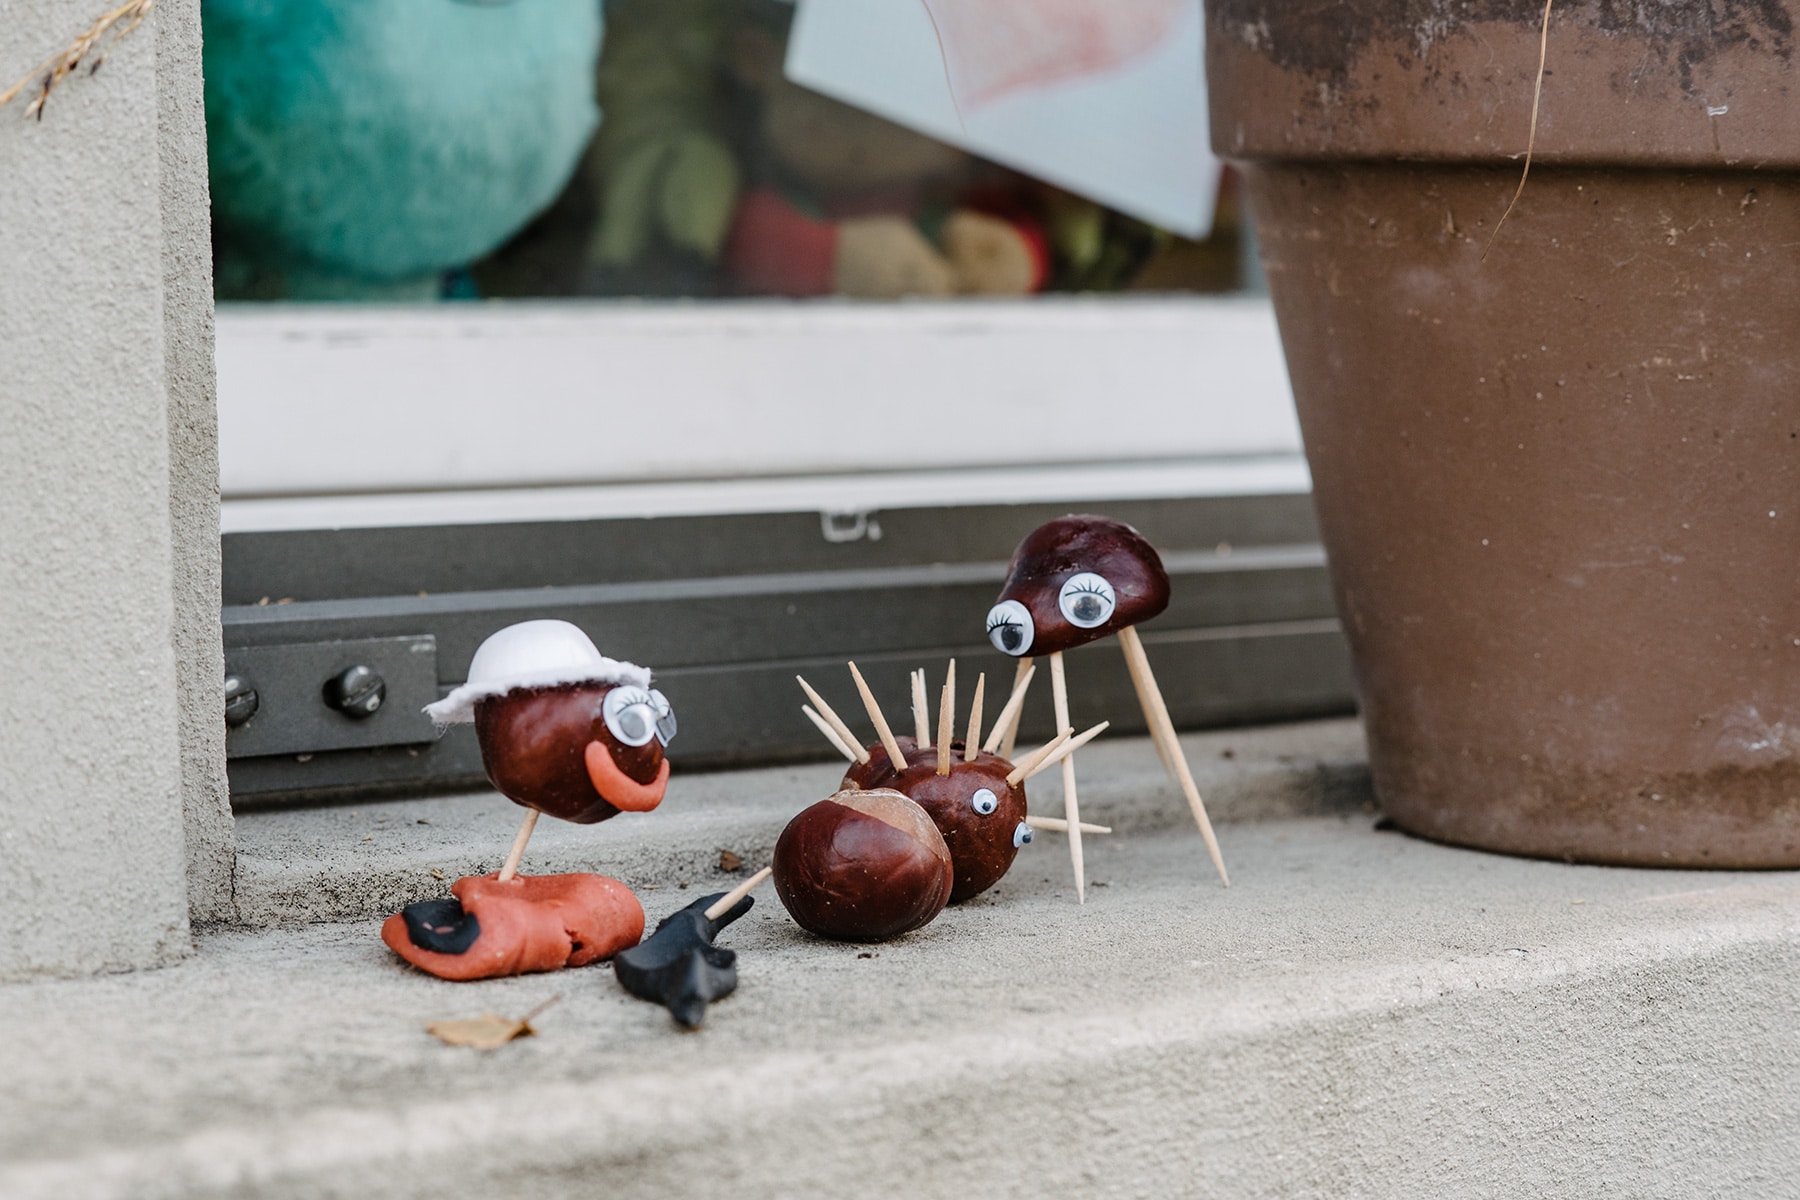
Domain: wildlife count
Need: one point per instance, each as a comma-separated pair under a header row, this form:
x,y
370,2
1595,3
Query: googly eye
x,y
665,717
1021,835
1086,600
1009,627
984,801
630,714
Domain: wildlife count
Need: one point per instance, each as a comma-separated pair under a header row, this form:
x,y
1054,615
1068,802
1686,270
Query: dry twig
x,y
86,48
1537,93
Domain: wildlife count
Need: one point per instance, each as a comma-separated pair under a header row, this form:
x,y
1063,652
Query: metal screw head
x,y
240,701
357,691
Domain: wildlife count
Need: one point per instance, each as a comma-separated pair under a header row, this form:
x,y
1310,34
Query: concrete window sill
x,y
1362,1013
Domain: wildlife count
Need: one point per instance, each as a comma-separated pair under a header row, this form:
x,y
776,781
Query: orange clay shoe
x,y
529,923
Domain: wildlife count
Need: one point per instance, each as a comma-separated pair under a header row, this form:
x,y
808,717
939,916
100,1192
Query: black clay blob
x,y
678,966
441,926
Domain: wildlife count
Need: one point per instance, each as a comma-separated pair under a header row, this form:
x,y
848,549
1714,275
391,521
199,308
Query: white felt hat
x,y
532,654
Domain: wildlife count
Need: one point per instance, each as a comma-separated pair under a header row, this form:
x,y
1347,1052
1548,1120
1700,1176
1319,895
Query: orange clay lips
x,y
619,789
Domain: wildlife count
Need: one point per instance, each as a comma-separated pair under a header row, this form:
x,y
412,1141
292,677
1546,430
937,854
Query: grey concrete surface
x,y
90,763
193,456
367,860
1361,1014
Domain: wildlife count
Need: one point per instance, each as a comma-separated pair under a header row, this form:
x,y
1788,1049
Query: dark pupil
x,y
1010,637
1088,607
633,723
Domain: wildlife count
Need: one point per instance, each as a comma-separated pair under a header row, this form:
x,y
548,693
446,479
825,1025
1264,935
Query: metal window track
x,y
727,609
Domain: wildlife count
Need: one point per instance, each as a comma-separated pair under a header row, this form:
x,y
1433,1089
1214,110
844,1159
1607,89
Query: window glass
x,y
418,150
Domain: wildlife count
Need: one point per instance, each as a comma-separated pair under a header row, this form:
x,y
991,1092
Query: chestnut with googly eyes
x,y
1076,579
1073,581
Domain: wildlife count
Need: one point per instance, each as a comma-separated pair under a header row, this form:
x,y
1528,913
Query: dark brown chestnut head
x,y
1073,581
862,866
564,729
981,816
567,750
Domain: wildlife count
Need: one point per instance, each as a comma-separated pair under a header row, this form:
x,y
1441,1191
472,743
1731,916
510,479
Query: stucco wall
x,y
194,455
104,315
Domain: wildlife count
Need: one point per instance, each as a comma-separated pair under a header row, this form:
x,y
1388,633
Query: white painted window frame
x,y
339,416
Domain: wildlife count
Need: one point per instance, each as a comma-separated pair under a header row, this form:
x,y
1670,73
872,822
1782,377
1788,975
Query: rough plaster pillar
x,y
109,641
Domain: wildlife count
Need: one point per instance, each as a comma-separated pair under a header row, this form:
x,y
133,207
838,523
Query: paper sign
x,y
1104,98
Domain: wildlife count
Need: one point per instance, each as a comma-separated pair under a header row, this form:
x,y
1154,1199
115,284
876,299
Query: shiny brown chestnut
x,y
981,815
549,748
863,866
1075,580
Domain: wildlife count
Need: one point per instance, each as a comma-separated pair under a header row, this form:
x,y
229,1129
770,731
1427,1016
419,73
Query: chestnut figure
x,y
567,731
1075,580
980,814
863,866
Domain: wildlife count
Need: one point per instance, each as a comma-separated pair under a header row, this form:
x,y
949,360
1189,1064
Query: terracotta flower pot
x,y
1560,488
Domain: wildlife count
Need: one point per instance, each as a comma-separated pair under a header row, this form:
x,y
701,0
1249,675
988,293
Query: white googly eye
x,y
984,801
1021,835
630,714
665,717
1009,627
1086,600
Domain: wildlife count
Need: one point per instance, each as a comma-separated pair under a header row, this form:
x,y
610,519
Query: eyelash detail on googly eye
x,y
1086,600
1010,628
630,714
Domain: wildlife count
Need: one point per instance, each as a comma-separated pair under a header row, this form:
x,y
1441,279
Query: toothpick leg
x,y
1059,692
518,847
921,711
1011,735
1137,685
1163,728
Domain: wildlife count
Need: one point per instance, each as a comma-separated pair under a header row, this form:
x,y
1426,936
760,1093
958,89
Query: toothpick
x,y
723,904
1021,676
1137,685
1059,692
1023,767
1058,825
1067,748
921,711
1008,720
881,726
972,742
518,847
946,720
831,735
1157,714
837,722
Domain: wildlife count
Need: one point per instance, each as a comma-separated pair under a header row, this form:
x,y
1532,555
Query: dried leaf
x,y
484,1032
729,861
487,1031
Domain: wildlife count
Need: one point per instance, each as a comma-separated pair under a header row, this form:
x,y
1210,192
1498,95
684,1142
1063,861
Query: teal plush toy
x,y
360,148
